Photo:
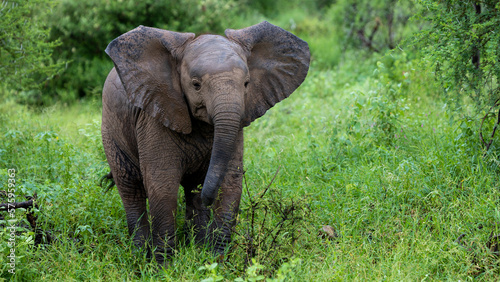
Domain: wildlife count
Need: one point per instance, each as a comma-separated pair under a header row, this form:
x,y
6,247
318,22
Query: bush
x,y
25,49
461,45
86,27
376,25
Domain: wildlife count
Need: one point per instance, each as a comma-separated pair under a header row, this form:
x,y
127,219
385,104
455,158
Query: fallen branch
x,y
18,205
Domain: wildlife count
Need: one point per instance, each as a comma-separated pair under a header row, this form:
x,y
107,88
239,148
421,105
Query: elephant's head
x,y
224,81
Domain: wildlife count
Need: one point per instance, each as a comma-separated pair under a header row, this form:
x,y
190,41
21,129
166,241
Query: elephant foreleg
x,y
162,206
161,163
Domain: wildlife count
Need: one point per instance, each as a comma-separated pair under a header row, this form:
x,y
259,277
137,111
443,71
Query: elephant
x,y
174,109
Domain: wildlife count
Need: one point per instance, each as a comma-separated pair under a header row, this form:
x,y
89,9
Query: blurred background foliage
x,y
462,46
26,61
59,44
82,30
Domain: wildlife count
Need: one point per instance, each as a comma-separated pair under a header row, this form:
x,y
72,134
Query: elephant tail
x,y
107,178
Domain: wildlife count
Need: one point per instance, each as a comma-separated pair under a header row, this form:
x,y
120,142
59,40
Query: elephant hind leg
x,y
135,205
128,180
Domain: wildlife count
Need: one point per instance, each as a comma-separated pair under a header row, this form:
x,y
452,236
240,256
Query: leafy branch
x,y
269,225
25,49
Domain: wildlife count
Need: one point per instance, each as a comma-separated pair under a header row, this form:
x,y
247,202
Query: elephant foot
x,y
196,229
163,255
220,234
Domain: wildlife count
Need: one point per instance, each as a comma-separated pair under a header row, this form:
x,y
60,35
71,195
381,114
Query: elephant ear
x,y
278,62
146,61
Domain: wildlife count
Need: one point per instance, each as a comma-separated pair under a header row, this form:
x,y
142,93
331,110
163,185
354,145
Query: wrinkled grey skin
x,y
174,108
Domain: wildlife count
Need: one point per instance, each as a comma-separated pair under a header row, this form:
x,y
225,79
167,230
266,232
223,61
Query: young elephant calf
x,y
174,108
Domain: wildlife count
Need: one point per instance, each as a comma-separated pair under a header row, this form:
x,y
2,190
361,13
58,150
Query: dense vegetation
x,y
372,170
25,51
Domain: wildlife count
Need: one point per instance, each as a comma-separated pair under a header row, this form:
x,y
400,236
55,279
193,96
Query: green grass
x,y
367,147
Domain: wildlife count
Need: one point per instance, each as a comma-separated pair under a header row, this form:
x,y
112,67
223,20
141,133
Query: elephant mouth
x,y
200,112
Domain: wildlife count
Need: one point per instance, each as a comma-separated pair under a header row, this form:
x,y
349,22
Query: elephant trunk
x,y
227,121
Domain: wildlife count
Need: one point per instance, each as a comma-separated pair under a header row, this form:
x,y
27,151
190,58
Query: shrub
x,y
86,27
376,25
25,48
461,45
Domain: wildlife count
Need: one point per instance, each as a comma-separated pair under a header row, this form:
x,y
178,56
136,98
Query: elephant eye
x,y
196,85
246,83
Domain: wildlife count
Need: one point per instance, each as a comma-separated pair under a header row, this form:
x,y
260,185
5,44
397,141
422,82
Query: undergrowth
x,y
366,149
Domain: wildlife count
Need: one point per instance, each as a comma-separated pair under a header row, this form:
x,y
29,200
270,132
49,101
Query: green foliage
x,y
461,44
284,272
273,8
25,49
398,204
253,272
270,224
85,28
376,25
211,269
321,35
367,145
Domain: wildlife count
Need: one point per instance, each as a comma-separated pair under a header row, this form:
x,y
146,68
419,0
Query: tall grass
x,y
368,148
